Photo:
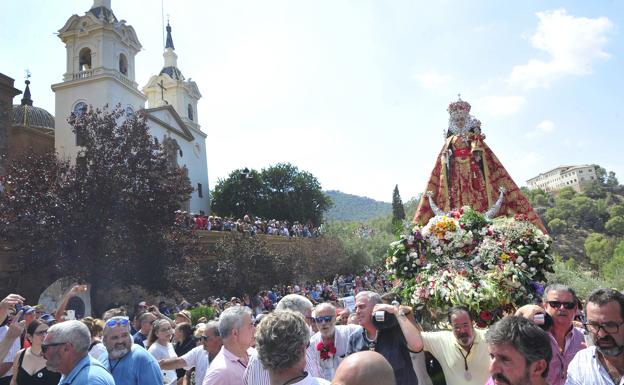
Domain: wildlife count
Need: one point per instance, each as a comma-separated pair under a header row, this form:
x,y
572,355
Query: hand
x,y
387,308
16,327
11,300
76,290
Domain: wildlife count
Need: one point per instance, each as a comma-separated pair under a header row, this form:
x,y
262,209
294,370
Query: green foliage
x,y
613,270
108,219
570,273
538,197
281,191
615,225
617,210
599,248
557,226
367,243
202,311
398,210
348,207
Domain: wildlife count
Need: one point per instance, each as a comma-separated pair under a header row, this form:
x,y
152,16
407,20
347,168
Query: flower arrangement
x,y
327,350
464,258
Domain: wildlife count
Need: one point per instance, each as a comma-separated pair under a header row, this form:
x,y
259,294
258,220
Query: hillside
x,y
348,207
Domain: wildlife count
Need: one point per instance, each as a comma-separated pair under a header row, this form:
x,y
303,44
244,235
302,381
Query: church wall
x,y
22,139
194,158
96,92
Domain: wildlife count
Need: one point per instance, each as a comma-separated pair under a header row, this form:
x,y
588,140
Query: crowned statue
x,y
467,173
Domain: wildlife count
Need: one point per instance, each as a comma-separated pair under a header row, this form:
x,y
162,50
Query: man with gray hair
x,y
66,349
199,357
129,363
331,343
256,374
282,339
394,336
561,304
236,328
519,352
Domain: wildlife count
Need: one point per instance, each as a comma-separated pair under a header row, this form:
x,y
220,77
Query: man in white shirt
x,y
199,357
330,344
603,363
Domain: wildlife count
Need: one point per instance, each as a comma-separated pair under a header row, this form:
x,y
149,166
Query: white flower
x,y
523,265
405,268
520,259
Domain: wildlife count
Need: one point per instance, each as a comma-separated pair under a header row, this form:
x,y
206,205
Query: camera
x,y
383,320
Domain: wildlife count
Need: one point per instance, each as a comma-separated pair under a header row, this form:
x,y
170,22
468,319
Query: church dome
x,y
26,115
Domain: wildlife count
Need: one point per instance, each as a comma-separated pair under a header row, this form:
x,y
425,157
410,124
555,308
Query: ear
x,y
537,368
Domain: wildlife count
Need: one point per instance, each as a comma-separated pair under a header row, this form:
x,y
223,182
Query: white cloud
x,y
500,105
432,78
543,128
573,43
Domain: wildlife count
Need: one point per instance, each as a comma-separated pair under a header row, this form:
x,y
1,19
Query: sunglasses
x,y
114,322
44,347
558,304
41,333
322,319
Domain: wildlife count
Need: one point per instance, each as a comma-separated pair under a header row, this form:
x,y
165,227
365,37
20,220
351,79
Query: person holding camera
x,y
387,331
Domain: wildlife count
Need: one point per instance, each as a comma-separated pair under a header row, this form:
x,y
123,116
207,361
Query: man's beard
x,y
500,378
613,351
117,353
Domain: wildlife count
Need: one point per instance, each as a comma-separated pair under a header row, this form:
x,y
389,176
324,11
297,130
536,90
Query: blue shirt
x,y
138,338
86,372
138,367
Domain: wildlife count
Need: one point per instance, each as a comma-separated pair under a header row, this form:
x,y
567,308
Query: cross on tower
x,y
27,73
162,91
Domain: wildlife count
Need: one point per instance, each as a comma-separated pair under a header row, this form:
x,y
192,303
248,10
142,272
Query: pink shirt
x,y
226,369
558,368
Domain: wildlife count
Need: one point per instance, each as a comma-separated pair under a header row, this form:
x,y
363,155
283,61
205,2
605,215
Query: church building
x,y
100,72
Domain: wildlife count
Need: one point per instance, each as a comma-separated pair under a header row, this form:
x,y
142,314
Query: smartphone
x,y
71,314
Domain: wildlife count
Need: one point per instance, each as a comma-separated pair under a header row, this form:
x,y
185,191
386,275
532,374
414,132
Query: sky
x,y
356,91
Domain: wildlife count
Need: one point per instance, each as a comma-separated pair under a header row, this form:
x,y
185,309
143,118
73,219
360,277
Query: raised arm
x,y
410,331
74,291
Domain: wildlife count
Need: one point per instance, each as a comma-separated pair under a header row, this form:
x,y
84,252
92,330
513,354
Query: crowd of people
x,y
289,337
248,225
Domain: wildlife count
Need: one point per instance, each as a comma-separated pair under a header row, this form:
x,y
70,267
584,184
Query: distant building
x,y
576,177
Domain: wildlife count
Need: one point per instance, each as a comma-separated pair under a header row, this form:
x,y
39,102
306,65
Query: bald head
x,y
364,368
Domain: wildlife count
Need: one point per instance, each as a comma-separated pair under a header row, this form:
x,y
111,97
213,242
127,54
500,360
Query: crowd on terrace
x,y
248,225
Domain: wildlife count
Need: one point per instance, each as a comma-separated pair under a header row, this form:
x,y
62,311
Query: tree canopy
x,y
281,191
108,217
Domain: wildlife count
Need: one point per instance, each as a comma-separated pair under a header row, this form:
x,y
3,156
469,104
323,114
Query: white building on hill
x,y
564,176
101,72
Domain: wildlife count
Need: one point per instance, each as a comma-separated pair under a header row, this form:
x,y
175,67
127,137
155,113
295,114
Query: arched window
x,y
123,64
84,59
79,109
190,111
129,111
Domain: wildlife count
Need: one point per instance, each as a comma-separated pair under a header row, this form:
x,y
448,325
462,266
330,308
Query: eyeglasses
x,y
44,347
557,304
41,333
608,327
111,323
322,319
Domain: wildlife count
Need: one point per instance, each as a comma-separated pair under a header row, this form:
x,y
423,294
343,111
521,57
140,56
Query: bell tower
x,y
170,87
100,70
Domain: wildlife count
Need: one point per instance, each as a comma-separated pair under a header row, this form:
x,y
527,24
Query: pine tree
x,y
398,210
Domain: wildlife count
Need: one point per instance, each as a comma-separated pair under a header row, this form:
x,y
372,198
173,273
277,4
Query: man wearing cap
x,y
129,364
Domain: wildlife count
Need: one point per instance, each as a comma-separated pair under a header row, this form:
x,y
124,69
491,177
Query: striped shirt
x,y
256,374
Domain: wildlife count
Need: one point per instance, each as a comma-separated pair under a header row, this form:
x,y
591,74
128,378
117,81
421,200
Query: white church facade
x,y
100,72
